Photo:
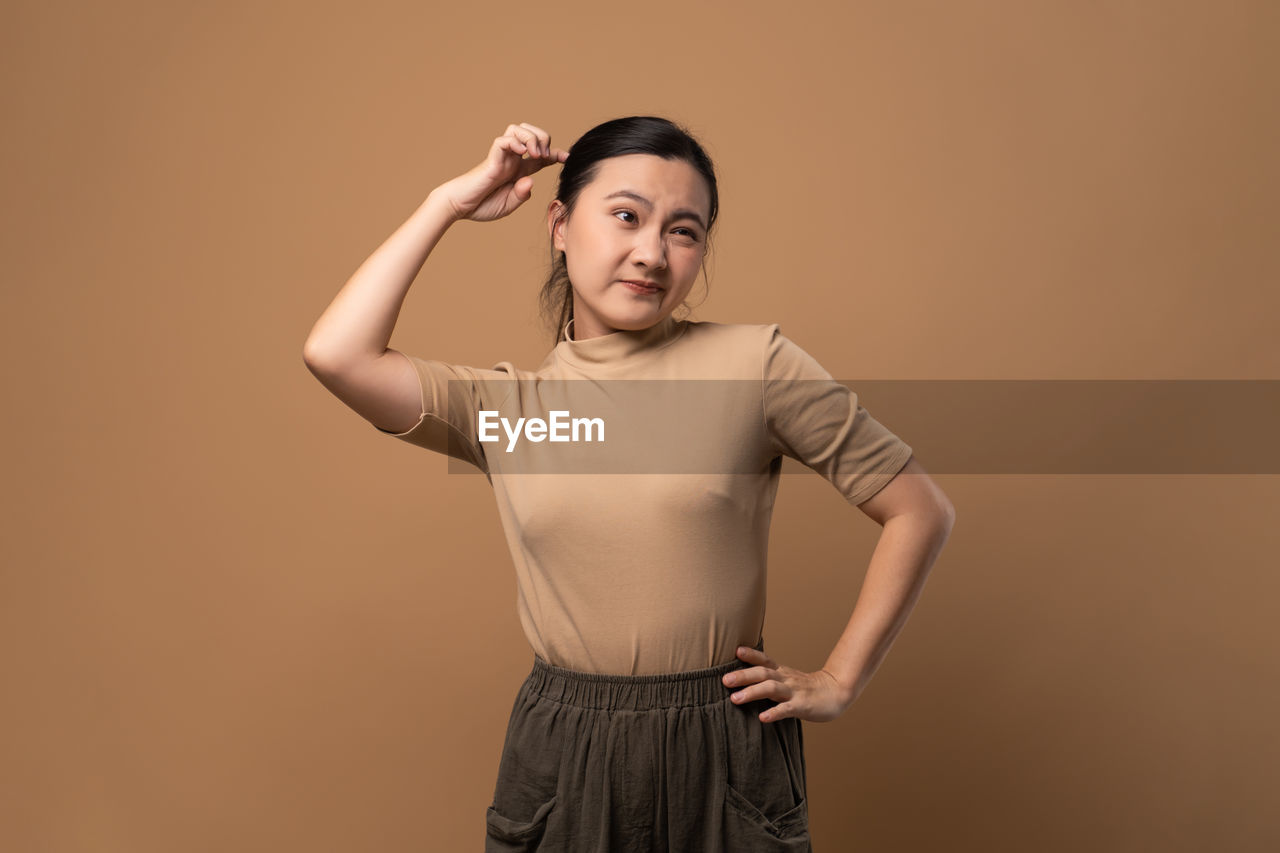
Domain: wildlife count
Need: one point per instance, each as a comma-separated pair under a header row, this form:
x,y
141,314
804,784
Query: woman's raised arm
x,y
347,347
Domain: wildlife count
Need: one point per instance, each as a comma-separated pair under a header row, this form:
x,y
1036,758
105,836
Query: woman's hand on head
x,y
504,180
814,696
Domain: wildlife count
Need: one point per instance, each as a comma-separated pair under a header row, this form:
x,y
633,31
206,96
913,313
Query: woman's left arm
x,y
916,518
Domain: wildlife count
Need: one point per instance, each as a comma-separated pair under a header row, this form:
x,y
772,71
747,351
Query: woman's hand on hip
x,y
814,696
504,180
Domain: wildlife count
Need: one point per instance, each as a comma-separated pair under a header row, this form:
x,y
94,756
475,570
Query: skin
x,y
605,241
659,237
917,519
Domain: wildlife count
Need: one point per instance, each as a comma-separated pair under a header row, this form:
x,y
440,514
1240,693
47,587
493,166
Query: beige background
x,y
235,617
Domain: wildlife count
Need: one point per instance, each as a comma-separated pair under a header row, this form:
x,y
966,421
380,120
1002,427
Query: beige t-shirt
x,y
640,548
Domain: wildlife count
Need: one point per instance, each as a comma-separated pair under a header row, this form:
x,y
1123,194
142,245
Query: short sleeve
x,y
451,400
820,422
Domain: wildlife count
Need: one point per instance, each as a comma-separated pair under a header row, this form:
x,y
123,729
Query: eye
x,y
624,213
689,232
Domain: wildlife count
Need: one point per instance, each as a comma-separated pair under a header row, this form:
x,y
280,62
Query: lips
x,y
642,286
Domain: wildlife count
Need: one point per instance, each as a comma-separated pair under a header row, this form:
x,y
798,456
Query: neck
x,y
618,345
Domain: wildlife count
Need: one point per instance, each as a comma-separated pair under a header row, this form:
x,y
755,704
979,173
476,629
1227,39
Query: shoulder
x,y
765,340
731,334
506,370
466,385
447,371
724,350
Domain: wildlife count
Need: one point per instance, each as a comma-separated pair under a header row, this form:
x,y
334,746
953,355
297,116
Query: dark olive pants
x,y
613,764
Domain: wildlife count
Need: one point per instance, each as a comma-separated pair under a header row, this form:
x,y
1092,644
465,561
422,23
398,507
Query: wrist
x,y
441,206
845,691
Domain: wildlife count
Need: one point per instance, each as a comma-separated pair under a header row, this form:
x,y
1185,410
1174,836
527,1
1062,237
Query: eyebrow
x,y
681,213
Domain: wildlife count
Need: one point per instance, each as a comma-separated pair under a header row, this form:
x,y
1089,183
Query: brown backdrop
x,y
235,617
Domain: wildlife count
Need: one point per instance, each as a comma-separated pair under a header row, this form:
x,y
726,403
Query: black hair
x,y
614,138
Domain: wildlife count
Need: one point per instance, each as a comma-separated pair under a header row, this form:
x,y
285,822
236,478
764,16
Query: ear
x,y
556,224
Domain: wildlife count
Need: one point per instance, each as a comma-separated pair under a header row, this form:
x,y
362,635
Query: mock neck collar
x,y
618,347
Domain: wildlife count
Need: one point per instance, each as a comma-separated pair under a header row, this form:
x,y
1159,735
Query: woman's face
x,y
642,219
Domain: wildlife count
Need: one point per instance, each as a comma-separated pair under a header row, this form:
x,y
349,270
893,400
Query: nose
x,y
650,250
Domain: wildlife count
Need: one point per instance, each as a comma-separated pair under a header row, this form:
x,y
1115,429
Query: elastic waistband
x,y
631,692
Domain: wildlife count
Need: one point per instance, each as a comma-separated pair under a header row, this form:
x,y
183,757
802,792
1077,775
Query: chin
x,y
635,320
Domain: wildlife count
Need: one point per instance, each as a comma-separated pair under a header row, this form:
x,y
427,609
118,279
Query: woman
x,y
652,719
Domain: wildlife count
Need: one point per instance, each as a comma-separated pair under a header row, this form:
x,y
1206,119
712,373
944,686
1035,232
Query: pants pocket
x,y
506,835
528,777
748,828
766,807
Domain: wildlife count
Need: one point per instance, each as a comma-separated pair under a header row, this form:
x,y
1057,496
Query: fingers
x,y
524,138
749,676
775,690
756,656
780,692
531,141
766,668
509,143
764,682
777,712
801,695
816,696
541,140
534,143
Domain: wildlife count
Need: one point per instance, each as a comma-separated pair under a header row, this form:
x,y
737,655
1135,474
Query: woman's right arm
x,y
347,347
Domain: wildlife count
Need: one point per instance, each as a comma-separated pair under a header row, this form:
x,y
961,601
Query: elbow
x,y
941,523
935,517
932,518
947,517
310,353
943,510
317,359
332,357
